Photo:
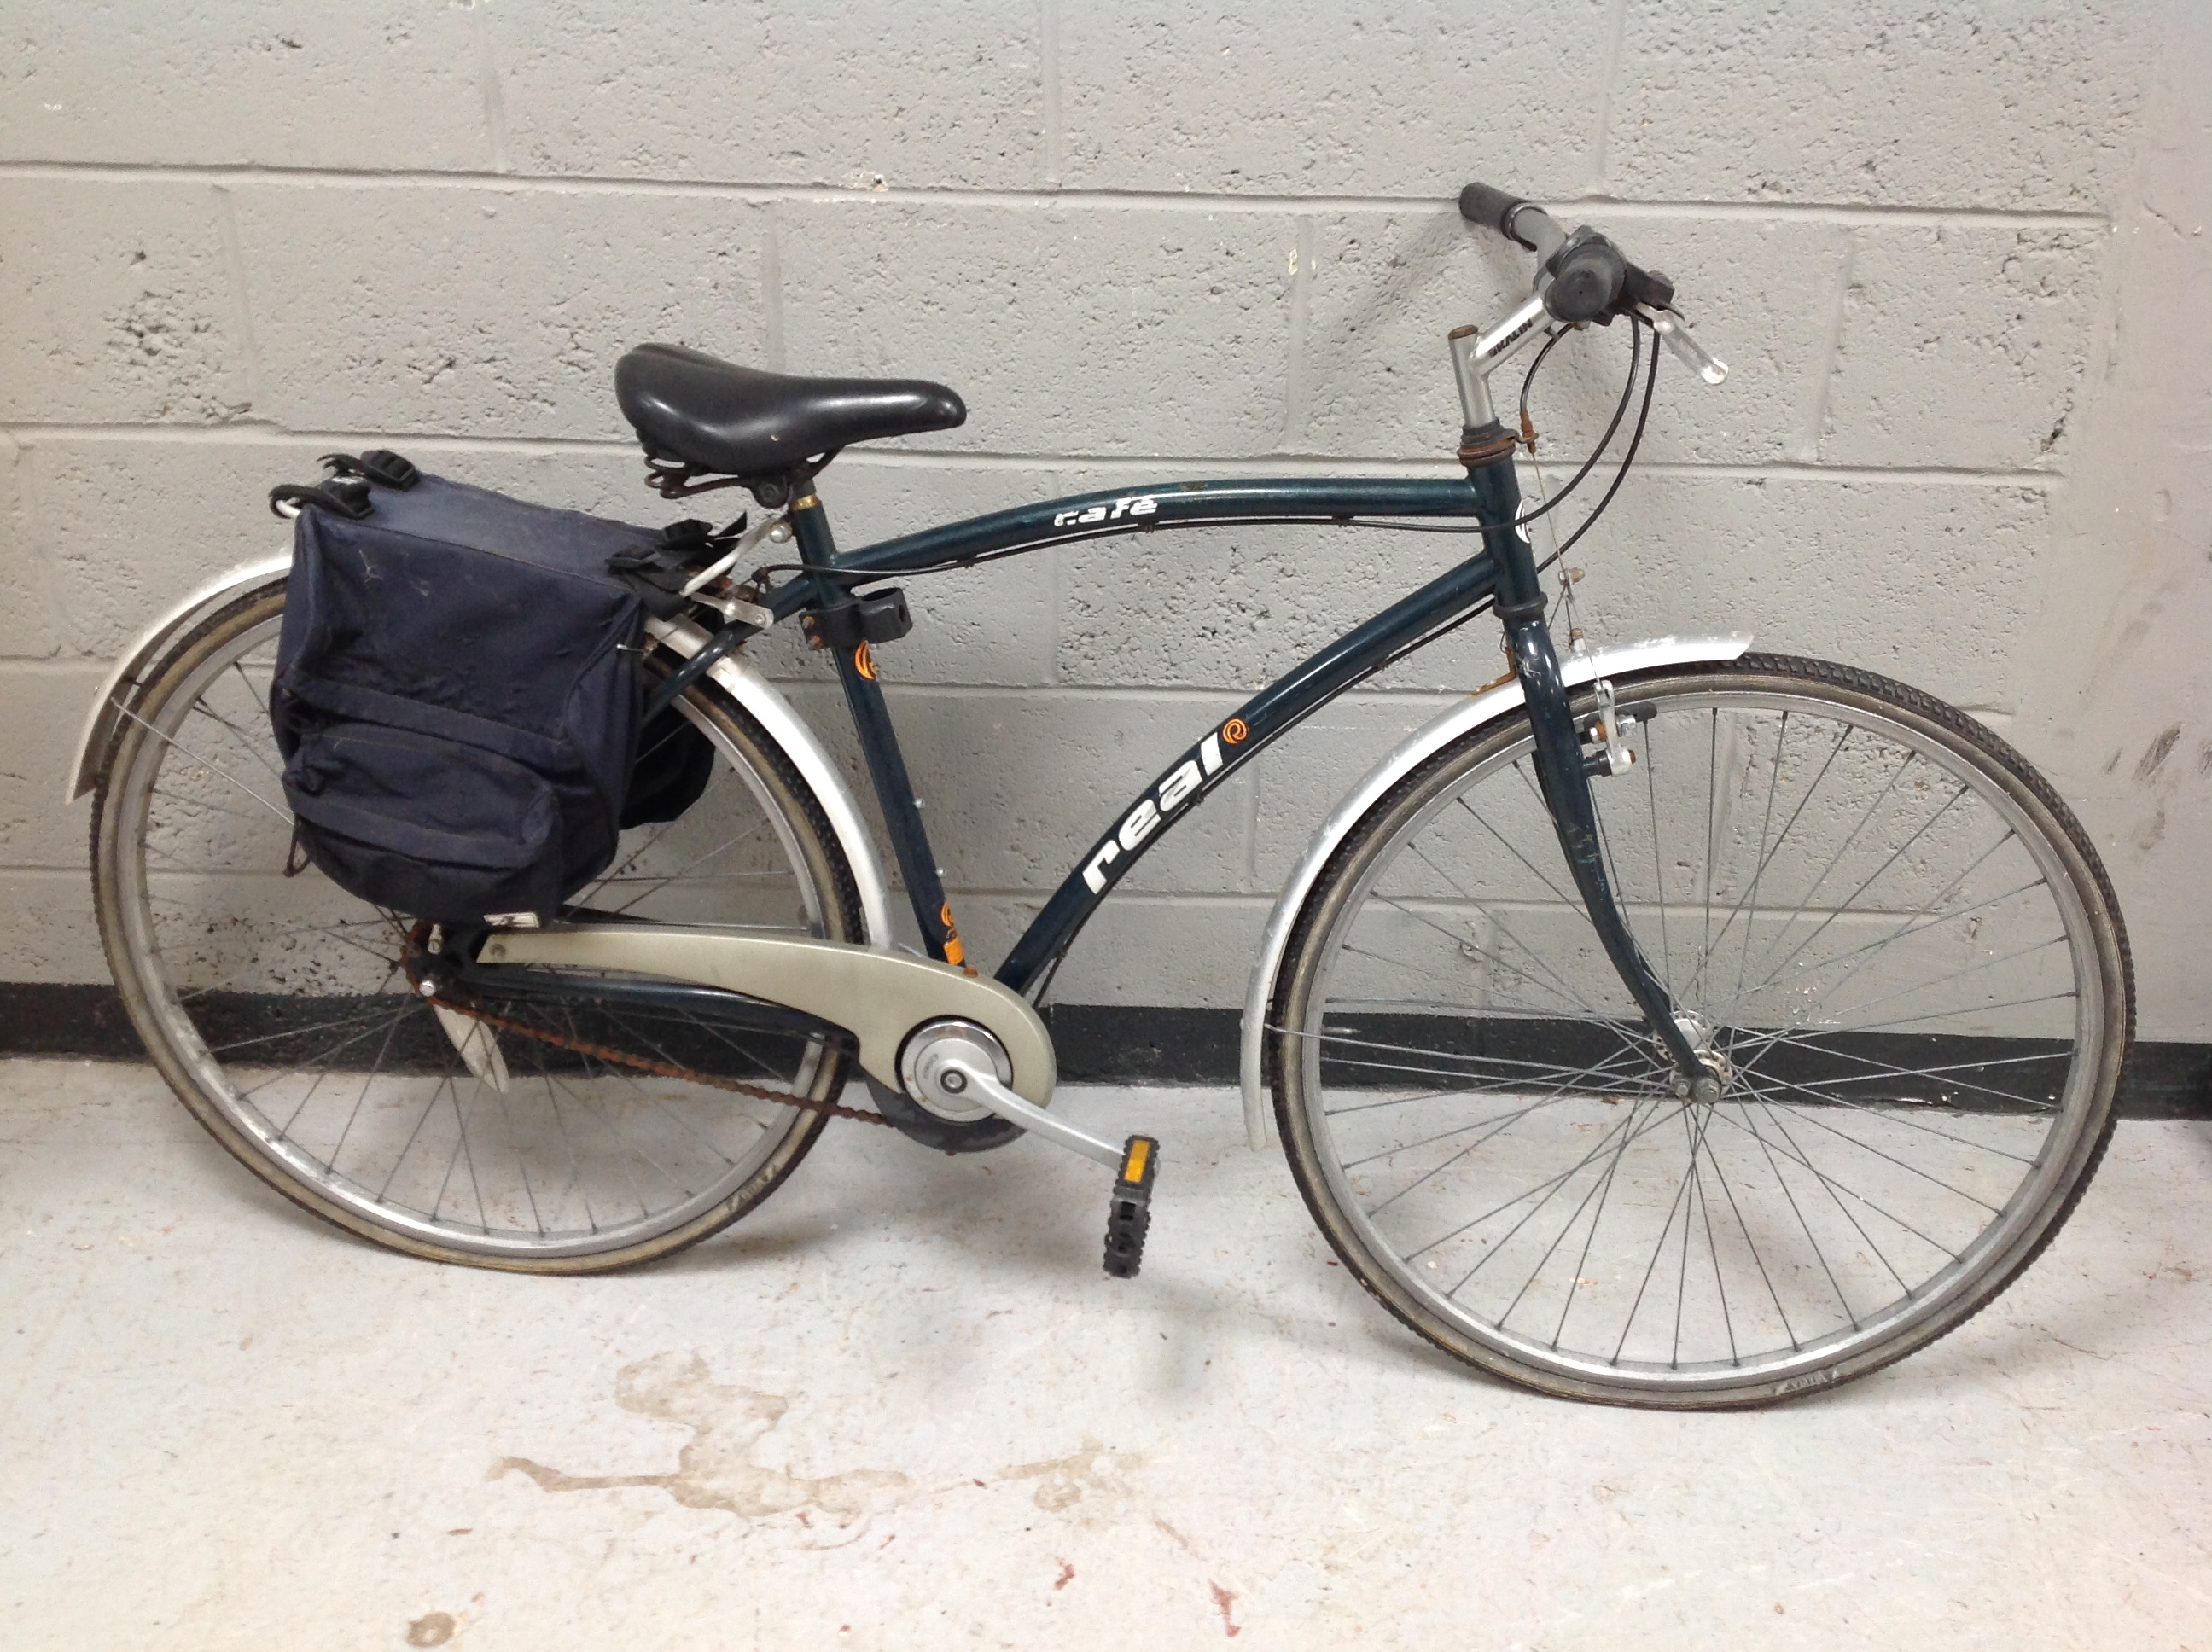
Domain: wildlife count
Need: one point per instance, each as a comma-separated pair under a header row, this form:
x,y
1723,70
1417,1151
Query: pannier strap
x,y
345,491
658,570
438,722
397,835
379,465
345,496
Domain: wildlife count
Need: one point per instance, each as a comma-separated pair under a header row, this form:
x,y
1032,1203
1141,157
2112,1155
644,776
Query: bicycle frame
x,y
1486,500
1488,497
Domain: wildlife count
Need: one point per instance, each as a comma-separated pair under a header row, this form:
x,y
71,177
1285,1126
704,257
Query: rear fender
x,y
741,680
130,672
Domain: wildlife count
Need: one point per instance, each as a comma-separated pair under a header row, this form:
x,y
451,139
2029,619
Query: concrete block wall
x,y
1953,254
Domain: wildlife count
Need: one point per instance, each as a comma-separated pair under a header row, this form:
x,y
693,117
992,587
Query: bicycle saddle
x,y
712,415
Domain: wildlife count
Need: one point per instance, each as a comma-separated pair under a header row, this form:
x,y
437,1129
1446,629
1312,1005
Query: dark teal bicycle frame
x,y
1486,500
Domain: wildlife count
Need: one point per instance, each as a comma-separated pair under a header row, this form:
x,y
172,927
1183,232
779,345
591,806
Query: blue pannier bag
x,y
457,696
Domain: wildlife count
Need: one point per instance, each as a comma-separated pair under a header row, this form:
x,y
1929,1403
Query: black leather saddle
x,y
712,414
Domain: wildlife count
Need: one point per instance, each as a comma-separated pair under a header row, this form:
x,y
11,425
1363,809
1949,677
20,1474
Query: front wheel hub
x,y
1710,1085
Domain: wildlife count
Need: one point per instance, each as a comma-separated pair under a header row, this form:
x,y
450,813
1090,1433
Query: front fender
x,y
141,655
1424,744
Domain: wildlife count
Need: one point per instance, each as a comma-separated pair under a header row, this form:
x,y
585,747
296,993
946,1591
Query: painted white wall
x,y
1955,256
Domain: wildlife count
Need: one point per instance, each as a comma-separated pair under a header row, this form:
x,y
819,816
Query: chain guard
x,y
418,952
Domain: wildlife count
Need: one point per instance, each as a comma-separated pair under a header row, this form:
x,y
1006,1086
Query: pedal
x,y
1129,1213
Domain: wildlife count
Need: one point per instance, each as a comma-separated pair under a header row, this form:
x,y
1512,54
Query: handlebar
x,y
1582,277
1692,354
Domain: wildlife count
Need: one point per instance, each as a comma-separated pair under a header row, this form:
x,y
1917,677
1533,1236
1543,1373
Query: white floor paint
x,y
900,1407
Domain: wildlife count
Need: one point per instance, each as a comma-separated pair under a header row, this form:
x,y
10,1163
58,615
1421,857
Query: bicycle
x,y
1796,1046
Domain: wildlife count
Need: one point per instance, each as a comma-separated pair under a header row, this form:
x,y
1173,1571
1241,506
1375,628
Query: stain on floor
x,y
1063,1482
2159,749
1223,1601
716,1469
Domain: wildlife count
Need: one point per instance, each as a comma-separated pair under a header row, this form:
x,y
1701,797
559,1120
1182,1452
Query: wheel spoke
x,y
212,767
1920,987
1761,857
1893,1070
1839,1190
685,871
1866,818
1581,1262
1720,1006
1771,1092
1550,1009
1658,854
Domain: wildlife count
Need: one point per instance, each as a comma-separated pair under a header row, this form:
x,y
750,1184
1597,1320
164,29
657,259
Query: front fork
x,y
1562,775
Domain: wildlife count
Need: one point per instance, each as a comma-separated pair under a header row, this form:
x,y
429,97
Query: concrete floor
x,y
900,1407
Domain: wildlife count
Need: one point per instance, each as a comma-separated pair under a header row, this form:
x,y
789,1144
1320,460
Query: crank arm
x,y
1129,1206
984,1086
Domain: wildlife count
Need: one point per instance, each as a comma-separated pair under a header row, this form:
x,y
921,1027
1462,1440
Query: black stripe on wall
x,y
1096,1043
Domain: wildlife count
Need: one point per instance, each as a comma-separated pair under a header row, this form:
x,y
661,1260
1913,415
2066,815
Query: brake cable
x,y
1627,389
1635,440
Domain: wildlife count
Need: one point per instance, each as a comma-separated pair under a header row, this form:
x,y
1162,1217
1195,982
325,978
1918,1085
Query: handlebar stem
x,y
1475,356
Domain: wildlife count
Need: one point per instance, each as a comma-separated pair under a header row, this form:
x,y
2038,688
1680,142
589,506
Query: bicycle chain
x,y
629,1058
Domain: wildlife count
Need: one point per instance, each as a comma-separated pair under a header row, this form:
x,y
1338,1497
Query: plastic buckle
x,y
382,464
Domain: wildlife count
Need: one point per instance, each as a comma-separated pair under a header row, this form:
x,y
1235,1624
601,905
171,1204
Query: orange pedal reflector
x,y
1129,1212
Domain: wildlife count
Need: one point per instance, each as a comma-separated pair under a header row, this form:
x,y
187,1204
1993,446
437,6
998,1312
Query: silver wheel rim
x,y
629,1158
1760,1120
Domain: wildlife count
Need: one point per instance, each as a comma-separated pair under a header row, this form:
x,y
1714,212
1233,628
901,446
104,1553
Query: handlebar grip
x,y
1520,221
1493,208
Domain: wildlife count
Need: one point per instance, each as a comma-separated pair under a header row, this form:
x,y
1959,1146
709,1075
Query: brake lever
x,y
1674,333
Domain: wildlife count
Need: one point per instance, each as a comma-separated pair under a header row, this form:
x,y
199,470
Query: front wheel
x,y
1882,927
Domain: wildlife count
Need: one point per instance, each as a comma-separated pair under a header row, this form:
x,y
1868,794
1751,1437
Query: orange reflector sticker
x,y
1133,1168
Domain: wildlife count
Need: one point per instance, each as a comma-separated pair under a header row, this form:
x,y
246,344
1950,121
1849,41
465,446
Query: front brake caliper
x,y
1609,753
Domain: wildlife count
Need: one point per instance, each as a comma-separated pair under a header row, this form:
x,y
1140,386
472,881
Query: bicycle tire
x,y
1956,1123
192,973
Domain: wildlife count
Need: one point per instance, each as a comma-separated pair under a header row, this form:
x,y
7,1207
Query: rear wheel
x,y
1892,937
280,1009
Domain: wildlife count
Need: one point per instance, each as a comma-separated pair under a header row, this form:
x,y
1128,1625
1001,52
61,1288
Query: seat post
x,y
872,721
